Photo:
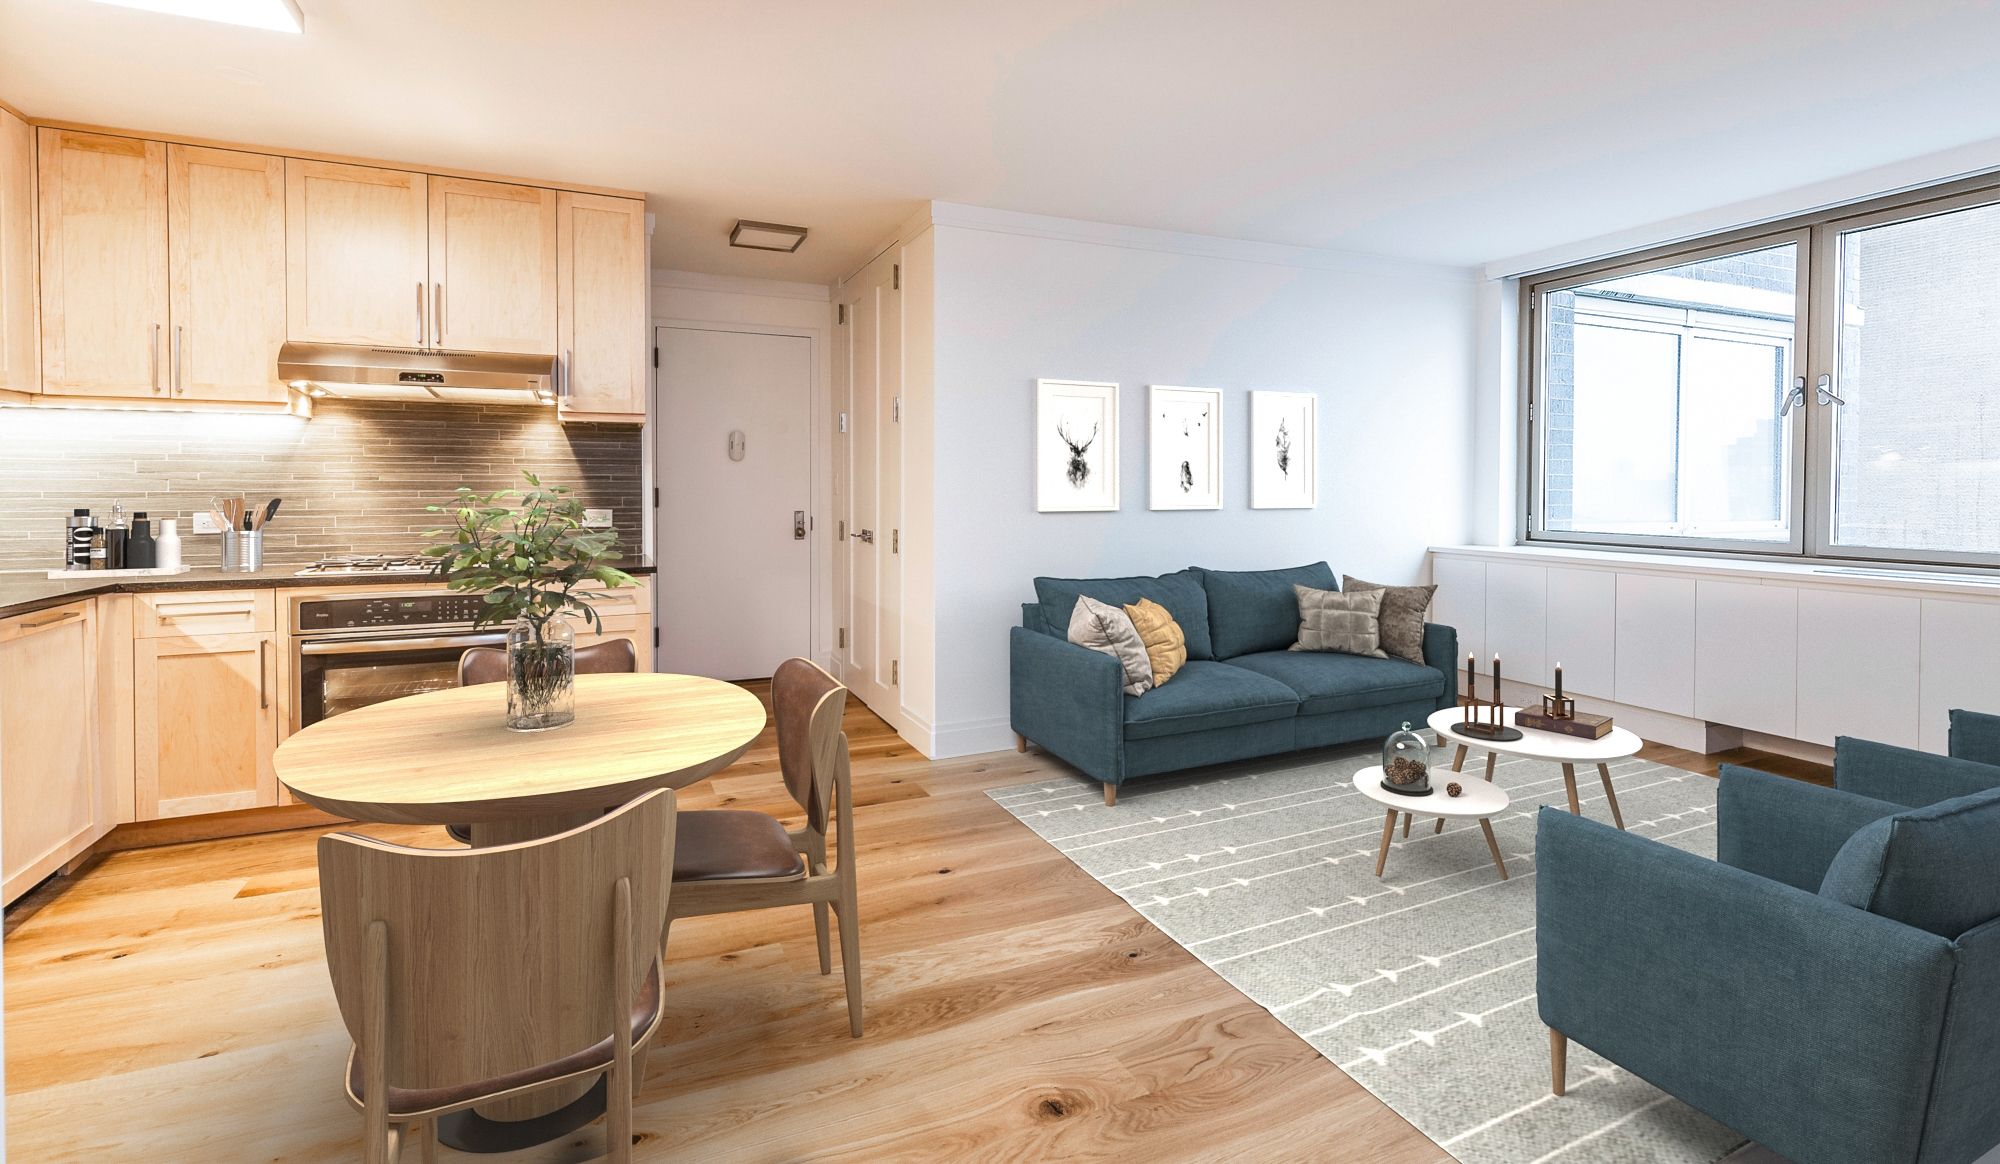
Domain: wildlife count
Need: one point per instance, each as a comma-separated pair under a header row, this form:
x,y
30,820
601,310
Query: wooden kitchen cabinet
x,y
50,795
226,247
103,265
204,723
492,266
601,267
20,357
357,255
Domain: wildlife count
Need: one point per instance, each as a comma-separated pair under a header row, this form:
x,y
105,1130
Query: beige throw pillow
x,y
1332,621
1403,610
1166,643
1105,628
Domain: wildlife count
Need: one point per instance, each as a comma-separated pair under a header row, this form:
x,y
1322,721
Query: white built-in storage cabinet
x,y
1802,652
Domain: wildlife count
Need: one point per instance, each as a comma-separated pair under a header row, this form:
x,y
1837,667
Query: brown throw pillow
x,y
1166,645
1332,621
1403,610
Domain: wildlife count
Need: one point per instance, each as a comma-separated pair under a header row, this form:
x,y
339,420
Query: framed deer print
x,y
1184,447
1076,446
1284,450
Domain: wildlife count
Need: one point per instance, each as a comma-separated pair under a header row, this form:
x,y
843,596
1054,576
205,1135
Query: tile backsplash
x,y
355,479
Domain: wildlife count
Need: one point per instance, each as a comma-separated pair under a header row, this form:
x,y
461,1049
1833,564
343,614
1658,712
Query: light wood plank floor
x,y
172,1004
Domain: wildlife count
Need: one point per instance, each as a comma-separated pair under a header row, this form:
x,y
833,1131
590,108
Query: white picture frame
x,y
1184,447
1284,450
1076,446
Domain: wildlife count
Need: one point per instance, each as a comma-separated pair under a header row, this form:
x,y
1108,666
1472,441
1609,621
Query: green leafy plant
x,y
528,558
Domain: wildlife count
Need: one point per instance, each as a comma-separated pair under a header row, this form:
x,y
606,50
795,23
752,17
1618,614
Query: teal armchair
x,y
1829,986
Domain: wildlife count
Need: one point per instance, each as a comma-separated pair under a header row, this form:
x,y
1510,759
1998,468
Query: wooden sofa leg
x,y
1110,795
1558,1060
1020,742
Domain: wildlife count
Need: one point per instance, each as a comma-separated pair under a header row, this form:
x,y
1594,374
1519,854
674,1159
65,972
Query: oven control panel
x,y
392,610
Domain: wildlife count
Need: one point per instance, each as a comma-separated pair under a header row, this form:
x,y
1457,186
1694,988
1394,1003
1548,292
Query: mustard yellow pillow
x,y
1166,643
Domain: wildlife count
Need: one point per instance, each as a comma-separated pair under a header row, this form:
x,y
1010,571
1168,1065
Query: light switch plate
x,y
597,519
203,523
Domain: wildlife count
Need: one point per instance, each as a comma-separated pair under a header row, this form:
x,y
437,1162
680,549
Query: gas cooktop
x,y
370,564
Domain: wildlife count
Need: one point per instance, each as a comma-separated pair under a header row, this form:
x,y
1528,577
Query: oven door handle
x,y
378,646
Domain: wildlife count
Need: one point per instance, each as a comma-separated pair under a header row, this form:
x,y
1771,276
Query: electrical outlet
x,y
205,524
597,519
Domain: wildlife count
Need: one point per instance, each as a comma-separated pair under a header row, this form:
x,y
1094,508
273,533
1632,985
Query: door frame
x,y
818,470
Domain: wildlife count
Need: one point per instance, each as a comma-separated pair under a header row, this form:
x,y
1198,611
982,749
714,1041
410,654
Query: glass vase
x,y
541,675
1406,763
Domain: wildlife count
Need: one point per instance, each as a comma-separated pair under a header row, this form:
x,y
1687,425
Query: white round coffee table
x,y
1477,800
1569,751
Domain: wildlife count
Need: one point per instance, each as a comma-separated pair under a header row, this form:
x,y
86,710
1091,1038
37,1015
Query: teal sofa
x,y
1241,694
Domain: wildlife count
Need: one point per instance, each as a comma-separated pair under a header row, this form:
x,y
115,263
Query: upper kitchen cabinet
x,y
601,269
226,243
357,255
104,265
492,267
20,363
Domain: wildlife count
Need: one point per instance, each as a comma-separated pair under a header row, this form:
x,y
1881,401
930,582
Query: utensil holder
x,y
250,552
232,550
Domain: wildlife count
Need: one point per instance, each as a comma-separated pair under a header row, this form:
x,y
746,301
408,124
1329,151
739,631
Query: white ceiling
x,y
1452,132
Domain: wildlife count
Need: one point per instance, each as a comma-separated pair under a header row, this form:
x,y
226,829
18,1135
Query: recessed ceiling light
x,y
275,15
766,236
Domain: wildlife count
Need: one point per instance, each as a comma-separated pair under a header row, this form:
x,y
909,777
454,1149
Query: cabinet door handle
x,y
263,692
52,621
420,313
179,387
568,372
437,315
156,357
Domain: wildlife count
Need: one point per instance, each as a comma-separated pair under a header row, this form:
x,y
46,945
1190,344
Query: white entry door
x,y
734,467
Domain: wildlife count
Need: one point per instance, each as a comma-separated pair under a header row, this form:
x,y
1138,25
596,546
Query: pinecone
x,y
1453,789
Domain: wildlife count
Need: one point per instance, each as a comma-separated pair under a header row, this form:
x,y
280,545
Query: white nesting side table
x,y
1569,751
1477,800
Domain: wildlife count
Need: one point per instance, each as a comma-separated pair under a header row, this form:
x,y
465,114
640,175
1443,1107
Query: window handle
x,y
1826,395
1794,398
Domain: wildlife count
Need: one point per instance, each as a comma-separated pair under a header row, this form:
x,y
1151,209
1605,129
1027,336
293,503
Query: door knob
x,y
866,535
798,525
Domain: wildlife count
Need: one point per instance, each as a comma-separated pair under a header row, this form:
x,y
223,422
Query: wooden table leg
x,y
1490,757
1493,846
1440,827
1604,774
1569,782
1388,832
1458,761
1558,1061
1406,826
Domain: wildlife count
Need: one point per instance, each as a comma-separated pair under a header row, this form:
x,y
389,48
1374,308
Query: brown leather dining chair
x,y
489,665
521,979
726,860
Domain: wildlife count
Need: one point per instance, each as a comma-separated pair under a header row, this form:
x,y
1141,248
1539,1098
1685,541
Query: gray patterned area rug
x,y
1420,985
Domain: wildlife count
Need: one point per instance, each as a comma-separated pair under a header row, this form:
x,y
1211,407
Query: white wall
x,y
1388,347
772,306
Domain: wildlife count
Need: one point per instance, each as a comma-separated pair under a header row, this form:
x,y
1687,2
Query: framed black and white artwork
x,y
1076,446
1284,450
1185,447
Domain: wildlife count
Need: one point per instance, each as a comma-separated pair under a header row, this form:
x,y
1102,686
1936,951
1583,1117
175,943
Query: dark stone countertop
x,y
24,592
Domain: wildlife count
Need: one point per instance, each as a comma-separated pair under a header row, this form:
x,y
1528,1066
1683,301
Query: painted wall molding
x,y
740,285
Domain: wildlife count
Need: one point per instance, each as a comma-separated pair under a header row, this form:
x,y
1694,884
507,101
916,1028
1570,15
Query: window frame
x,y
1815,350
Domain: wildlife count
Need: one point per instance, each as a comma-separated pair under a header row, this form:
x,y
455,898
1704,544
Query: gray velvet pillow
x,y
1347,623
1403,610
1109,630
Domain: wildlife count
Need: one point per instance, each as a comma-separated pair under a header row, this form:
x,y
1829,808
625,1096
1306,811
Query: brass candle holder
x,y
1558,707
1482,719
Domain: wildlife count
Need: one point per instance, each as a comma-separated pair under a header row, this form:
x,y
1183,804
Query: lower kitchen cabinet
x,y
50,793
204,723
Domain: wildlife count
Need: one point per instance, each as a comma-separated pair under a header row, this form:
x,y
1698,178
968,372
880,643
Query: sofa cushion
x,y
1108,630
1181,593
1207,695
1975,736
1929,867
1256,610
1335,682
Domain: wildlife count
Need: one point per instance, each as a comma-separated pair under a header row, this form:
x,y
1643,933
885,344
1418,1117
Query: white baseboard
x,y
971,737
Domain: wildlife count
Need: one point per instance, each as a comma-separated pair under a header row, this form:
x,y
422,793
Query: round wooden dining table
x,y
446,757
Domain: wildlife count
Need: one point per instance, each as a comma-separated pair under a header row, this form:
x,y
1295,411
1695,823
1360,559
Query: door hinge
x,y
656,497
843,637
843,531
656,355
843,313
656,638
895,541
895,674
896,274
843,422
896,410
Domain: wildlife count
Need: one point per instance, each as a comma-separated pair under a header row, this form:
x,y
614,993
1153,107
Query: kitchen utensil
x,y
270,511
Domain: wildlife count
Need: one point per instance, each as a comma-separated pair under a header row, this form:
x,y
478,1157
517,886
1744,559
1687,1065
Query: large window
x,y
1828,388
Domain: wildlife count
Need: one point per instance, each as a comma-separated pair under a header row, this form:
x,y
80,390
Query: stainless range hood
x,y
409,374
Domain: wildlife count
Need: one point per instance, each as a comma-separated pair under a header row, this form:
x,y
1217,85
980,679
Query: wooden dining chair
x,y
521,980
728,860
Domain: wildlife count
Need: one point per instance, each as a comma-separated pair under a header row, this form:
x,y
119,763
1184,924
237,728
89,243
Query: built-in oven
x,y
351,652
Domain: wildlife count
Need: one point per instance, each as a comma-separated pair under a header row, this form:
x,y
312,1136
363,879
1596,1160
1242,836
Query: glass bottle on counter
x,y
114,538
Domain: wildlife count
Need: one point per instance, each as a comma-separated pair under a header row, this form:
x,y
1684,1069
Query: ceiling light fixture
x,y
766,236
274,15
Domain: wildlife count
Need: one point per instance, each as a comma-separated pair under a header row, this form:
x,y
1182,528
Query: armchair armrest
x,y
1903,776
1441,651
1975,736
1069,700
1786,830
1805,1024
